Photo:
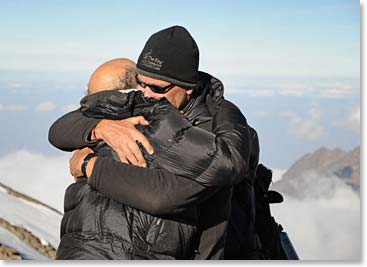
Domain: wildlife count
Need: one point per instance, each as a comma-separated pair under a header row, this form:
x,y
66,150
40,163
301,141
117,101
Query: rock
x,y
316,173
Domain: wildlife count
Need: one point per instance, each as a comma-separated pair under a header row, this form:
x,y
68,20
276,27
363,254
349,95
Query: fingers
x,y
138,120
131,154
122,156
122,136
145,142
132,159
136,157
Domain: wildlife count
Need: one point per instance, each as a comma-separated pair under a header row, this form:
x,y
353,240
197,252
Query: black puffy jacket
x,y
93,223
163,193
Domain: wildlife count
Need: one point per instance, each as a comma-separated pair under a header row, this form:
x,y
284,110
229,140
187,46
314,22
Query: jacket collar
x,y
196,107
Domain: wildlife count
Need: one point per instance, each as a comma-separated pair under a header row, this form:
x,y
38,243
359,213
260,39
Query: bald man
x,y
116,74
119,74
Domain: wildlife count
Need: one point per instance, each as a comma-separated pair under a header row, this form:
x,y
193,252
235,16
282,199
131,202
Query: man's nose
x,y
144,90
147,92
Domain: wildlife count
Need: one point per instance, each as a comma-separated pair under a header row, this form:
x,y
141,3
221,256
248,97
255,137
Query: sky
x,y
293,67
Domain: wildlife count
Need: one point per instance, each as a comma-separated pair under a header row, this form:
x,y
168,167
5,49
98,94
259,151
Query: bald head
x,y
116,74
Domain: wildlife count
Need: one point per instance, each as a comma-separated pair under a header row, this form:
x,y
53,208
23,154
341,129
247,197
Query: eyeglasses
x,y
155,88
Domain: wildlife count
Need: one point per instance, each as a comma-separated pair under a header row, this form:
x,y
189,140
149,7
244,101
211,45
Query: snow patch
x,y
43,242
10,240
42,222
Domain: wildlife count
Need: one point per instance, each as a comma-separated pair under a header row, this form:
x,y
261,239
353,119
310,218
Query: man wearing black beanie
x,y
170,58
171,55
168,67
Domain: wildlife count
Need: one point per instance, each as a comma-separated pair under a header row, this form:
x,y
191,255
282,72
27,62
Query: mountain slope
x,y
16,247
320,171
321,208
30,220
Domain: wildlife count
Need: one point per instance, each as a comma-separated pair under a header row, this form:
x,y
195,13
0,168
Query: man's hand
x,y
76,161
122,135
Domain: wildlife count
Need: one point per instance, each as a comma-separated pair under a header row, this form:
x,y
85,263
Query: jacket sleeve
x,y
155,191
72,131
160,192
230,163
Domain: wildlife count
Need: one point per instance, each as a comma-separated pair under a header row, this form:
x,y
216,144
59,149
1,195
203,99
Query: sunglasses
x,y
155,88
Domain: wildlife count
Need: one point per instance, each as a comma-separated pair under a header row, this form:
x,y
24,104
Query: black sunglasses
x,y
155,88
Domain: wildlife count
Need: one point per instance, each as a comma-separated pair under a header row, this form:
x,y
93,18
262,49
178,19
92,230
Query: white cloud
x,y
288,114
262,92
293,89
354,121
12,107
277,174
309,127
68,108
335,89
17,85
45,106
40,176
351,121
263,114
314,89
325,225
250,92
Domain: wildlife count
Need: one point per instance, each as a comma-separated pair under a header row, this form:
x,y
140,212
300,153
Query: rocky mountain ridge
x,y
314,171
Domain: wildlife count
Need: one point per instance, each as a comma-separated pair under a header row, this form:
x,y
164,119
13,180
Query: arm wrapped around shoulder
x,y
71,131
232,142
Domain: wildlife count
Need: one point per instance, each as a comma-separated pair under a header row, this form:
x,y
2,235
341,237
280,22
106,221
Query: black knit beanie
x,y
171,55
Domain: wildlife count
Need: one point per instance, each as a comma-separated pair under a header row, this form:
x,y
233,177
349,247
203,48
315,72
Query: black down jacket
x,y
96,227
161,192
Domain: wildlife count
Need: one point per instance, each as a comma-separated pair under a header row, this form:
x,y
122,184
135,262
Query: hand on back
x,y
122,135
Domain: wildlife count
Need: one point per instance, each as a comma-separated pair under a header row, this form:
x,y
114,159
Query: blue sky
x,y
293,67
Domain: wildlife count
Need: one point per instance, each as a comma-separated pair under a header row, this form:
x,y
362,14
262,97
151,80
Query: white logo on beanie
x,y
151,62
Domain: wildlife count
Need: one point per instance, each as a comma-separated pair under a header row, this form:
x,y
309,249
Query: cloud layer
x,y
42,177
309,127
11,107
314,89
45,106
326,224
354,120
